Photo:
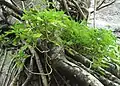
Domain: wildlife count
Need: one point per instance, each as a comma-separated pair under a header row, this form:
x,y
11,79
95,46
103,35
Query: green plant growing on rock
x,y
98,45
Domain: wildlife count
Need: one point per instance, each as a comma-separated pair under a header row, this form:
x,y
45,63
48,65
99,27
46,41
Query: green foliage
x,y
94,43
99,45
21,56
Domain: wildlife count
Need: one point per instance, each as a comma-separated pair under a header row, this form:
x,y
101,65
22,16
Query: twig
x,y
38,73
106,5
79,9
44,51
100,4
23,5
99,8
107,75
14,8
30,4
30,74
15,79
38,62
61,77
78,57
7,72
1,53
13,2
16,16
55,80
9,77
46,59
107,82
44,79
40,82
94,22
83,3
66,6
110,76
3,62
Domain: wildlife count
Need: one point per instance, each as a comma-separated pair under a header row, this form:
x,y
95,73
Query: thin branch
x,y
14,8
66,6
106,5
23,5
61,77
7,72
78,57
16,16
94,22
1,53
13,2
107,82
47,64
99,8
3,62
83,3
55,80
40,72
110,76
44,79
15,79
10,75
79,9
102,2
30,74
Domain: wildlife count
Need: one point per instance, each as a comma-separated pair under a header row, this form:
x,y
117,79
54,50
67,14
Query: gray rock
x,y
108,17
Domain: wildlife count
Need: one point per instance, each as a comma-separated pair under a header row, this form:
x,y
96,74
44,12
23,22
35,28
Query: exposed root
x,y
3,61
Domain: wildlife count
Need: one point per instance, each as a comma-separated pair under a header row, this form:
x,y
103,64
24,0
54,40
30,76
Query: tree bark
x,y
59,62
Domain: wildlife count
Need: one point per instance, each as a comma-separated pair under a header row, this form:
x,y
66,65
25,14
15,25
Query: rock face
x,y
108,17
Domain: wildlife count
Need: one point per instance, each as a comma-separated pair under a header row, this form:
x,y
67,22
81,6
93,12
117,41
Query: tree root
x,y
44,79
63,61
